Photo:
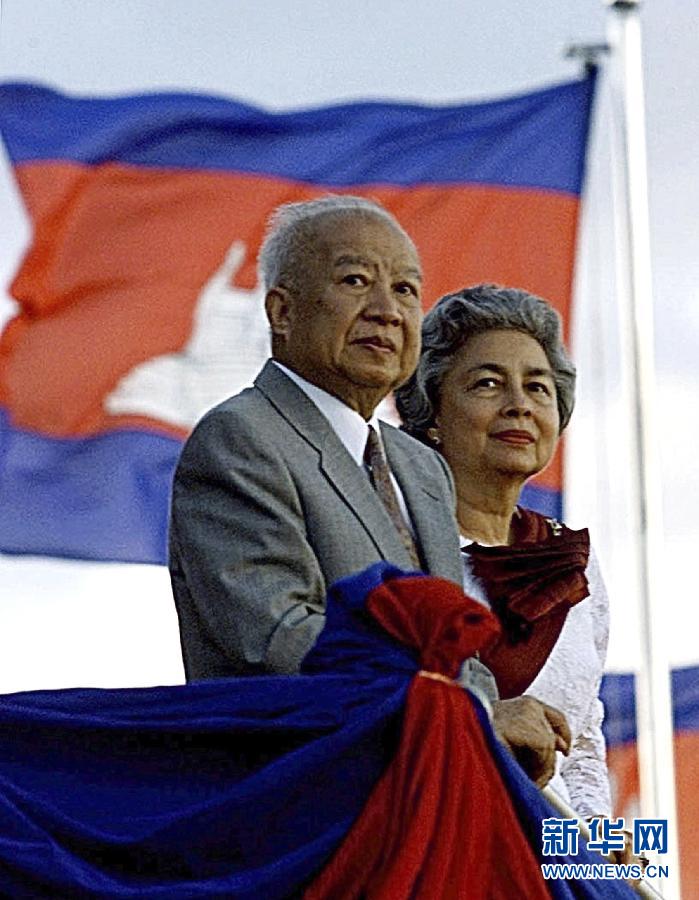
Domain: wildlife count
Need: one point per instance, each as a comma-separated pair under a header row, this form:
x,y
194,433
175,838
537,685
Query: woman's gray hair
x,y
292,233
456,318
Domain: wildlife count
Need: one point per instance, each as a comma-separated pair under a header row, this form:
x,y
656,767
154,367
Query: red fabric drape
x,y
439,825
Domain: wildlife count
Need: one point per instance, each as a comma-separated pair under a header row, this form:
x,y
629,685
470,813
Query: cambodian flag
x,y
138,300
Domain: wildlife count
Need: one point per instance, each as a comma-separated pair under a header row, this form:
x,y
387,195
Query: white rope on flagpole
x,y
634,288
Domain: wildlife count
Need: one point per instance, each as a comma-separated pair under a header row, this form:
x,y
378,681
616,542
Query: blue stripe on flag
x,y
543,500
620,704
533,140
104,497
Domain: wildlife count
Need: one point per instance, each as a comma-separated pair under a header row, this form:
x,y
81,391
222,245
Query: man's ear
x,y
278,305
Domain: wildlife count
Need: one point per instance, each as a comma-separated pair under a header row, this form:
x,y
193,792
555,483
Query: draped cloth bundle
x,y
369,775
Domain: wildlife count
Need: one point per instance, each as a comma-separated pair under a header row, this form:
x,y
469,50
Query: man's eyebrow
x,y
413,273
348,260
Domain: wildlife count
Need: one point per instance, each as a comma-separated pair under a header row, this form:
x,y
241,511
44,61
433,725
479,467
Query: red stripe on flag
x,y
121,253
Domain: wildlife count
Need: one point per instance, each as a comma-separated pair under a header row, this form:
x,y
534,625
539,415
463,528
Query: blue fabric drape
x,y
234,788
239,787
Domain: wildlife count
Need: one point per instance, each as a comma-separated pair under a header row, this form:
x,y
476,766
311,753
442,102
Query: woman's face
x,y
498,415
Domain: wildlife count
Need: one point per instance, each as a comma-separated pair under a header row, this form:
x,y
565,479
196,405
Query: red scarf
x,y
531,584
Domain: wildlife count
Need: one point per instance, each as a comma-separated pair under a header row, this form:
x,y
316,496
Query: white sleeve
x,y
585,769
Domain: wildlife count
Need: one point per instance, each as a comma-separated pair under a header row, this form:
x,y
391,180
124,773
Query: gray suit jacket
x,y
269,509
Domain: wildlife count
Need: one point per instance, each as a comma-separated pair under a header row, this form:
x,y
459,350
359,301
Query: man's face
x,y
354,328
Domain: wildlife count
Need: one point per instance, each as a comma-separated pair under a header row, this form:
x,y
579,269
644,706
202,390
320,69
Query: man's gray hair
x,y
292,231
456,318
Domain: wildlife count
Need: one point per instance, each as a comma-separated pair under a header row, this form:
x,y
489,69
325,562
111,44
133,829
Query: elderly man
x,y
293,483
272,499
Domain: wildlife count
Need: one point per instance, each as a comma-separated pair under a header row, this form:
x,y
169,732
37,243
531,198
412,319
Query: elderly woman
x,y
492,392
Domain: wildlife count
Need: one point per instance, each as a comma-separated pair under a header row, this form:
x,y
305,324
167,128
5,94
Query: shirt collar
x,y
347,424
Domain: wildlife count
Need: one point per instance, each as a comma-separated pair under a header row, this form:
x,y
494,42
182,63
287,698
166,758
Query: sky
x,y
67,624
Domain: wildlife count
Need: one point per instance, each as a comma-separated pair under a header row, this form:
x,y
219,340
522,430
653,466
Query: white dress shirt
x,y
348,425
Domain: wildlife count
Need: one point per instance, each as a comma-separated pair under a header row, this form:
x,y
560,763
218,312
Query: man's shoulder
x,y
249,400
245,423
403,439
260,421
254,404
423,460
245,408
395,437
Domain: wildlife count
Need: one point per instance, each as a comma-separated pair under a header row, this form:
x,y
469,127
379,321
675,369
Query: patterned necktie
x,y
380,476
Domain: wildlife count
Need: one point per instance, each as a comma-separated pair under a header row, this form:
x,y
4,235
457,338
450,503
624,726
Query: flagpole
x,y
653,686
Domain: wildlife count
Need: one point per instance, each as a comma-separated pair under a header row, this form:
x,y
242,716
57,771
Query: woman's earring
x,y
433,435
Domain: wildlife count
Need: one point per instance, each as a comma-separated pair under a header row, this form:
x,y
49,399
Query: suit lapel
x,y
349,480
426,504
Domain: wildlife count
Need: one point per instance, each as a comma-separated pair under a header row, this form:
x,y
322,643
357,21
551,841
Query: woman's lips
x,y
514,437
